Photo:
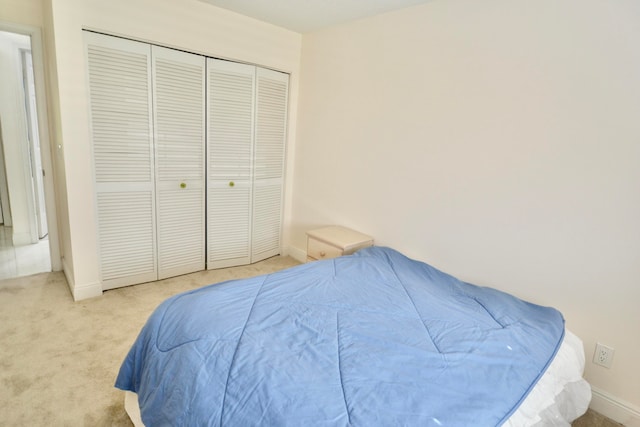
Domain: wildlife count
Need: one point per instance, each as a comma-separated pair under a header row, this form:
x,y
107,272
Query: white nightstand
x,y
334,241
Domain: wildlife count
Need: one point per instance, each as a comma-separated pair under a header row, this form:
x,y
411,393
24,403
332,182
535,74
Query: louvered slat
x,y
180,137
124,230
228,225
180,231
270,137
119,86
267,209
271,117
230,123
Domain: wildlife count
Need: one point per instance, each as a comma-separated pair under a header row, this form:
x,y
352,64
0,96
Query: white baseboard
x,y
68,274
80,292
614,408
297,254
90,290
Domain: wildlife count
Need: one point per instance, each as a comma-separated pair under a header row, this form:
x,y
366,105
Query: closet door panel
x,y
229,224
270,138
123,232
179,112
120,111
180,229
230,122
267,214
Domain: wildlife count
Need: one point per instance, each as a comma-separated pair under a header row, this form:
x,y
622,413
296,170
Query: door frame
x,y
4,187
37,54
28,81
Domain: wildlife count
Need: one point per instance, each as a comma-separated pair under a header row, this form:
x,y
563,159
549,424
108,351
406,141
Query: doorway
x,y
25,247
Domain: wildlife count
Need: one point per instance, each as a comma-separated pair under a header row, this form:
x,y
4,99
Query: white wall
x,y
190,25
497,140
25,12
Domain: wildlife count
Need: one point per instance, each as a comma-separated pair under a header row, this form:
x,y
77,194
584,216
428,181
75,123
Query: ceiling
x,y
303,16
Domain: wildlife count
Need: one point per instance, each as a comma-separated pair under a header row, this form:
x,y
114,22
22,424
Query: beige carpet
x,y
59,358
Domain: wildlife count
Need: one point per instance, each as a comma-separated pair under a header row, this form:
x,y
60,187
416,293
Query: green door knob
x,y
231,183
183,185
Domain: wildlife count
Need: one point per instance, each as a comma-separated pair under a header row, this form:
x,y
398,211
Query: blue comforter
x,y
372,339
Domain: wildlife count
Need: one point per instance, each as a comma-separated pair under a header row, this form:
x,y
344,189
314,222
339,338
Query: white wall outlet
x,y
603,355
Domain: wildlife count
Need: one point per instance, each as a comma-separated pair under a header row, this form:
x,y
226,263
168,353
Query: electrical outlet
x,y
603,355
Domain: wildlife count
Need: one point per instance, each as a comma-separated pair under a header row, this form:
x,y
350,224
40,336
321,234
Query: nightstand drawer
x,y
334,241
320,250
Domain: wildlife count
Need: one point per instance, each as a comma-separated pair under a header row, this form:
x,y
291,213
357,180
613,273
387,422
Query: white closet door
x,y
230,122
122,145
179,112
270,137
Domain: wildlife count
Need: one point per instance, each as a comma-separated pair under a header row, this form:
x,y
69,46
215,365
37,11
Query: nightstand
x,y
334,241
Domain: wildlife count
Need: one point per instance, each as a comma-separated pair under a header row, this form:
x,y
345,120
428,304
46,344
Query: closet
x,y
246,117
188,159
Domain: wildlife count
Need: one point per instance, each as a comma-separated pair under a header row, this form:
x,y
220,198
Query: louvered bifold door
x,y
179,127
120,108
230,123
270,137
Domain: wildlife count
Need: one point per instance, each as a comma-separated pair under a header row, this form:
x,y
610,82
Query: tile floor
x,y
17,261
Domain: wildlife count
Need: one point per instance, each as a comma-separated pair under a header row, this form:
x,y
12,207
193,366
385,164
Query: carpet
x,y
59,358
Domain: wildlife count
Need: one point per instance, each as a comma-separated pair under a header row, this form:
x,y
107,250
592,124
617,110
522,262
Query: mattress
x,y
561,395
369,339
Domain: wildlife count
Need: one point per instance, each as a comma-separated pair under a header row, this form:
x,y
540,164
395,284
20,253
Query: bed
x,y
373,338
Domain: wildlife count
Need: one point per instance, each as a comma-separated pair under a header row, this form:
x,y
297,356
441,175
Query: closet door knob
x,y
183,185
231,183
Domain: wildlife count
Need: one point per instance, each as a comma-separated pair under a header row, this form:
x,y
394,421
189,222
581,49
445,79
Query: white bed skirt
x,y
561,395
132,408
